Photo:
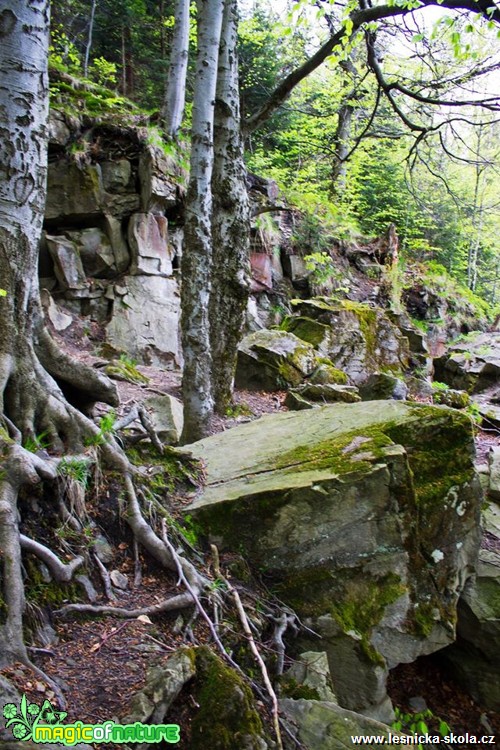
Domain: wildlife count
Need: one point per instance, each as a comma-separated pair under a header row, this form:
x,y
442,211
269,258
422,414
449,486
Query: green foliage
x,y
125,368
63,53
103,72
474,413
437,386
88,97
423,722
106,427
325,275
75,469
238,410
36,443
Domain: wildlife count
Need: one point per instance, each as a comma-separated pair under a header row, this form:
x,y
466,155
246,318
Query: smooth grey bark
x,y
88,46
231,219
30,362
197,252
175,90
31,401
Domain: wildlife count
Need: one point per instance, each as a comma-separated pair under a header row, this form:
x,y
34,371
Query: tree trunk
x,y
175,92
231,219
31,400
88,46
342,137
197,252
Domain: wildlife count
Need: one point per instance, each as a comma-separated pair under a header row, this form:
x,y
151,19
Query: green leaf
x,y
444,728
3,293
24,706
417,38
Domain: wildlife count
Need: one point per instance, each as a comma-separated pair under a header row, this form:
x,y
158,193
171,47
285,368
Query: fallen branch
x,y
246,629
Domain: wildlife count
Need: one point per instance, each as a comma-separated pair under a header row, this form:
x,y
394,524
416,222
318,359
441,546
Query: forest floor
x,y
102,662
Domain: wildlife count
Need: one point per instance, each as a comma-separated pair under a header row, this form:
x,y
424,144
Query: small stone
x,y
103,549
418,704
119,580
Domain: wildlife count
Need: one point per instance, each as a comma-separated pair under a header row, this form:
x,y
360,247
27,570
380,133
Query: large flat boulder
x,y
364,517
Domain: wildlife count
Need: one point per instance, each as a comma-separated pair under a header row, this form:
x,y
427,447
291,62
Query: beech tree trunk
x,y
175,91
30,362
231,219
342,136
197,252
31,400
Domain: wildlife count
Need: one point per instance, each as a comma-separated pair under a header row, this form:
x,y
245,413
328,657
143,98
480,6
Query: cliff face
x,y
111,243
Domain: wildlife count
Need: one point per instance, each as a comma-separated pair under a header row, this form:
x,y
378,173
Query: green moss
x,y
326,372
125,369
48,594
227,716
306,329
171,469
85,96
355,600
337,455
367,318
424,616
290,688
439,453
360,606
308,591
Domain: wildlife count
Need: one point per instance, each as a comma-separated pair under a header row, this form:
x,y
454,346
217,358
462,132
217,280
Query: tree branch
x,y
357,18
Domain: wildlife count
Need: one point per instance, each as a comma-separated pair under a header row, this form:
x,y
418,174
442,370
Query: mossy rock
x,y
273,360
308,330
357,338
365,512
123,369
453,398
227,717
327,374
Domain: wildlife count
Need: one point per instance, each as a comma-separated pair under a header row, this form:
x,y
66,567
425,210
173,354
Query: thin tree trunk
x,y
88,46
342,136
231,219
175,91
197,252
124,65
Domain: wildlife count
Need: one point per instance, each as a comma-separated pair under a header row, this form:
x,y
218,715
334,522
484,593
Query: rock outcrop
x,y
365,517
357,338
475,658
107,251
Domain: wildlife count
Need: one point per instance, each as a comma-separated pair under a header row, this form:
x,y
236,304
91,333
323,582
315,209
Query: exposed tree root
x,y
106,581
63,573
19,468
67,427
175,603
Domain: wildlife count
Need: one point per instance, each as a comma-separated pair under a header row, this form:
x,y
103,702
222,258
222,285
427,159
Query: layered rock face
x,y
107,251
364,517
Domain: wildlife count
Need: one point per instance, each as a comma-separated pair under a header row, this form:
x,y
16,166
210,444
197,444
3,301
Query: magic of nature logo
x,y
29,721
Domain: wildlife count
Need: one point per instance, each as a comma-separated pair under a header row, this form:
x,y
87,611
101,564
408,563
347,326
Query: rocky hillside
x,y
336,539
